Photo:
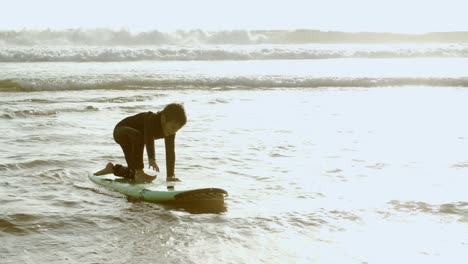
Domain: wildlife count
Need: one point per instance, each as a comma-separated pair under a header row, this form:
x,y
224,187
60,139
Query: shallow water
x,y
324,175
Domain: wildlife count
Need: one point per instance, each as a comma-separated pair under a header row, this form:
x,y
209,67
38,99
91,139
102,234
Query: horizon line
x,y
134,30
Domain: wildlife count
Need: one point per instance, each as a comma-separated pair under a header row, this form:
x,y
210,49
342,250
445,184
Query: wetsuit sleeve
x,y
149,129
169,142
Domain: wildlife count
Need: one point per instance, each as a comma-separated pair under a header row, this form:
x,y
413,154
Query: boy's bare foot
x,y
141,176
107,170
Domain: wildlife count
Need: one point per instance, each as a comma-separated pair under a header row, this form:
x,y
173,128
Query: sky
x,y
403,16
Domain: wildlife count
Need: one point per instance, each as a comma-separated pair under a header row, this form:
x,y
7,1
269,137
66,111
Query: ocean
x,y
330,152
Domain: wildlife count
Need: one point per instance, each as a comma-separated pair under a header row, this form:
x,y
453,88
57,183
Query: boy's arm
x,y
149,129
169,142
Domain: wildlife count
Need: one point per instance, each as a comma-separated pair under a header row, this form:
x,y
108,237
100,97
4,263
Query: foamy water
x,y
326,161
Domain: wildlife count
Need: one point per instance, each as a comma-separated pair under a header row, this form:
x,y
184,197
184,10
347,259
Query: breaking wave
x,y
225,52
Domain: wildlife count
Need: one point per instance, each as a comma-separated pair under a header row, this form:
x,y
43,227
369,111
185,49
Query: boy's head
x,y
173,118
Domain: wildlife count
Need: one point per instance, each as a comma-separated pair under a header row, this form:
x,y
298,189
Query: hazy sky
x,y
409,16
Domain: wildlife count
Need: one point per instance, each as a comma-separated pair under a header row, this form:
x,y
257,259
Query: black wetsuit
x,y
133,133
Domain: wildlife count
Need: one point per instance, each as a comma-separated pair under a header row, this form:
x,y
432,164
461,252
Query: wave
x,y
197,53
229,83
30,164
28,113
103,36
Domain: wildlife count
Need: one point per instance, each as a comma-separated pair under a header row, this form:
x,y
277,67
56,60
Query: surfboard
x,y
162,192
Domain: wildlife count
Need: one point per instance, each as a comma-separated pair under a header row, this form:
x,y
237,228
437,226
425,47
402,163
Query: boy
x,y
134,132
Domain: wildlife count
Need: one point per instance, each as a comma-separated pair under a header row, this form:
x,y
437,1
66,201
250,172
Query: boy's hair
x,y
175,112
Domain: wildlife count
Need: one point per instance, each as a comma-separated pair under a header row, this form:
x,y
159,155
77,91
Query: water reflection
x,y
192,207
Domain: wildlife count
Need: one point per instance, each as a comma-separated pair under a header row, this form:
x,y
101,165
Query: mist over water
x,y
331,153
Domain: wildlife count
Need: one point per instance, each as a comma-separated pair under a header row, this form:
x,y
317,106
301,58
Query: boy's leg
x,y
131,141
138,147
122,171
133,155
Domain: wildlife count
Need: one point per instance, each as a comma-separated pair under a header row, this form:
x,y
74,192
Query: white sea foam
x,y
224,52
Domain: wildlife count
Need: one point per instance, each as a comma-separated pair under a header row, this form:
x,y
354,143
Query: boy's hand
x,y
153,165
172,179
